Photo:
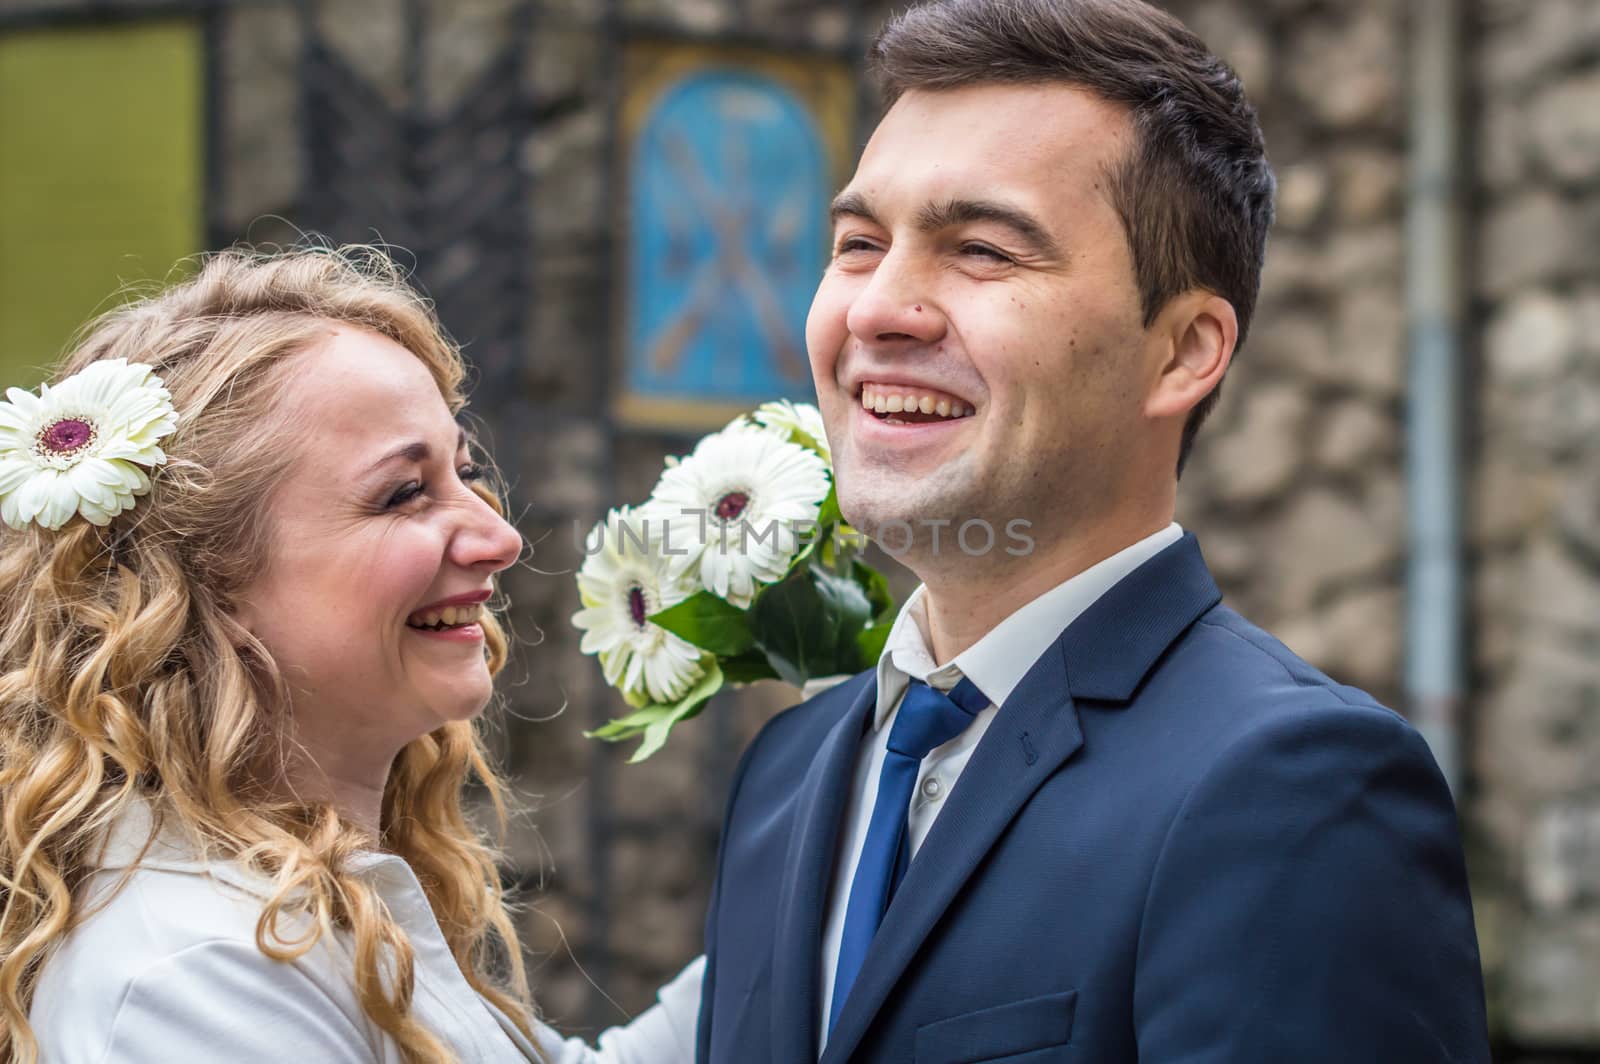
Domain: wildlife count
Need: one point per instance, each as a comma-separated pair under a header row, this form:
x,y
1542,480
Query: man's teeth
x,y
893,401
449,617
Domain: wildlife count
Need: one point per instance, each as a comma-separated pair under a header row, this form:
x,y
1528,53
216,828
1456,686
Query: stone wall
x,y
1296,487
1535,521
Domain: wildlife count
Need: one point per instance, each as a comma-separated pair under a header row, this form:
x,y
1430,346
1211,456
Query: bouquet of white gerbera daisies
x,y
738,568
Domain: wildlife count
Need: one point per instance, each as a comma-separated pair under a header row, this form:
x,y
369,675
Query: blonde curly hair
x,y
124,675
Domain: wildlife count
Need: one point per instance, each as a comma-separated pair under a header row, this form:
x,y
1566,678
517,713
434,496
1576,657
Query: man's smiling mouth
x,y
898,404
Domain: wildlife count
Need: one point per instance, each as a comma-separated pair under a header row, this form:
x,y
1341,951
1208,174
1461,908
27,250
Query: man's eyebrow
x,y
852,205
415,451
955,212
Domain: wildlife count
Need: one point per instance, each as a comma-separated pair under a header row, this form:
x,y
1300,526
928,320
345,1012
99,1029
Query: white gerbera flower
x,y
801,418
623,581
739,508
77,448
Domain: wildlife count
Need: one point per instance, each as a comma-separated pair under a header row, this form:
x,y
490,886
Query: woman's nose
x,y
487,540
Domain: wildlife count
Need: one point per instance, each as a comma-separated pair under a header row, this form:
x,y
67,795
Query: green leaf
x,y
625,727
870,643
807,624
829,514
876,586
708,622
748,667
654,722
655,735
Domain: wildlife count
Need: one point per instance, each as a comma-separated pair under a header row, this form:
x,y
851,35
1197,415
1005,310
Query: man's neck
x,y
965,602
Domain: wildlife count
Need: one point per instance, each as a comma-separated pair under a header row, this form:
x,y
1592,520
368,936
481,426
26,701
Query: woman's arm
x,y
662,1034
226,1000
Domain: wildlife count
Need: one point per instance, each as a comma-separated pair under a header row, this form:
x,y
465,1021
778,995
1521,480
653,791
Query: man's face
x,y
979,265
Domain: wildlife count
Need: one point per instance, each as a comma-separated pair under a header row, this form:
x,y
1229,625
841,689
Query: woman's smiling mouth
x,y
454,619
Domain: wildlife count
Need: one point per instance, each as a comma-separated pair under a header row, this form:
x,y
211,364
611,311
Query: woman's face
x,y
380,556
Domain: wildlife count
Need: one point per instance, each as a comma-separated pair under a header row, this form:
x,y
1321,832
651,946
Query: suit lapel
x,y
1035,732
806,877
1103,656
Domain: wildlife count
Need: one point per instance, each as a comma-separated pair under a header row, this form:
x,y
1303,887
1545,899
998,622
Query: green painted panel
x,y
101,173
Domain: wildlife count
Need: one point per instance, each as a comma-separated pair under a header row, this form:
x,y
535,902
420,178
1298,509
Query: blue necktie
x,y
927,718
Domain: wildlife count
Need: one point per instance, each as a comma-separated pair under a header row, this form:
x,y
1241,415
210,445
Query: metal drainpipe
x,y
1433,639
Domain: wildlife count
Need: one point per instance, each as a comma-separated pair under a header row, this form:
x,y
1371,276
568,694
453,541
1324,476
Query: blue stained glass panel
x,y
728,231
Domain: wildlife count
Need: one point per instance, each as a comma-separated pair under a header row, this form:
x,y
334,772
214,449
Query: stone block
x,y
1530,239
1564,122
1580,508
1369,349
1561,863
1559,420
689,16
1256,455
566,159
1560,588
1501,145
1538,733
570,457
1354,434
1297,343
1368,183
1239,36
370,37
1524,41
463,38
1355,638
1302,194
567,63
1553,994
1508,499
1293,270
1371,255
262,152
1345,69
1325,539
1493,632
1531,338
657,884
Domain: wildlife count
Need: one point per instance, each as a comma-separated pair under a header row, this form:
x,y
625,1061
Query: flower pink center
x,y
66,436
636,605
731,505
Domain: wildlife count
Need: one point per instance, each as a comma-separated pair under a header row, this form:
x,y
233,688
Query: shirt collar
x,y
998,662
134,840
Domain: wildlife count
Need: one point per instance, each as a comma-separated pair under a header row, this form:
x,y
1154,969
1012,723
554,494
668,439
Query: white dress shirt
x,y
168,970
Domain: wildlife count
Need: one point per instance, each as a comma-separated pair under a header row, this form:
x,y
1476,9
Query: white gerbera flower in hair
x,y
78,448
739,508
622,582
802,418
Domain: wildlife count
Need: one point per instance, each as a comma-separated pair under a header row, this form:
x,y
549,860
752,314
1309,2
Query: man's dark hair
x,y
1195,191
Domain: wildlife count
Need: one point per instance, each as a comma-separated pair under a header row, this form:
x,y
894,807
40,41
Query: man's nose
x,y
897,304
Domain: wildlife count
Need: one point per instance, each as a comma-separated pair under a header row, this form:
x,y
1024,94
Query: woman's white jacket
x,y
168,970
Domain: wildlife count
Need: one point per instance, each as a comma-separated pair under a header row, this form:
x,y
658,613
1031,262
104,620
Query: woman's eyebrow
x,y
415,451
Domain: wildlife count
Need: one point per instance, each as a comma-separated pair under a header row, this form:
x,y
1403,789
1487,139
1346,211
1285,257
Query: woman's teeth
x,y
884,400
449,617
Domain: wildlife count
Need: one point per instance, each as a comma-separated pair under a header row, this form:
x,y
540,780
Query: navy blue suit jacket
x,y
1177,842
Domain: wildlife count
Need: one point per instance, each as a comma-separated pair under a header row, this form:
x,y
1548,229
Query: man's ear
x,y
1202,329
